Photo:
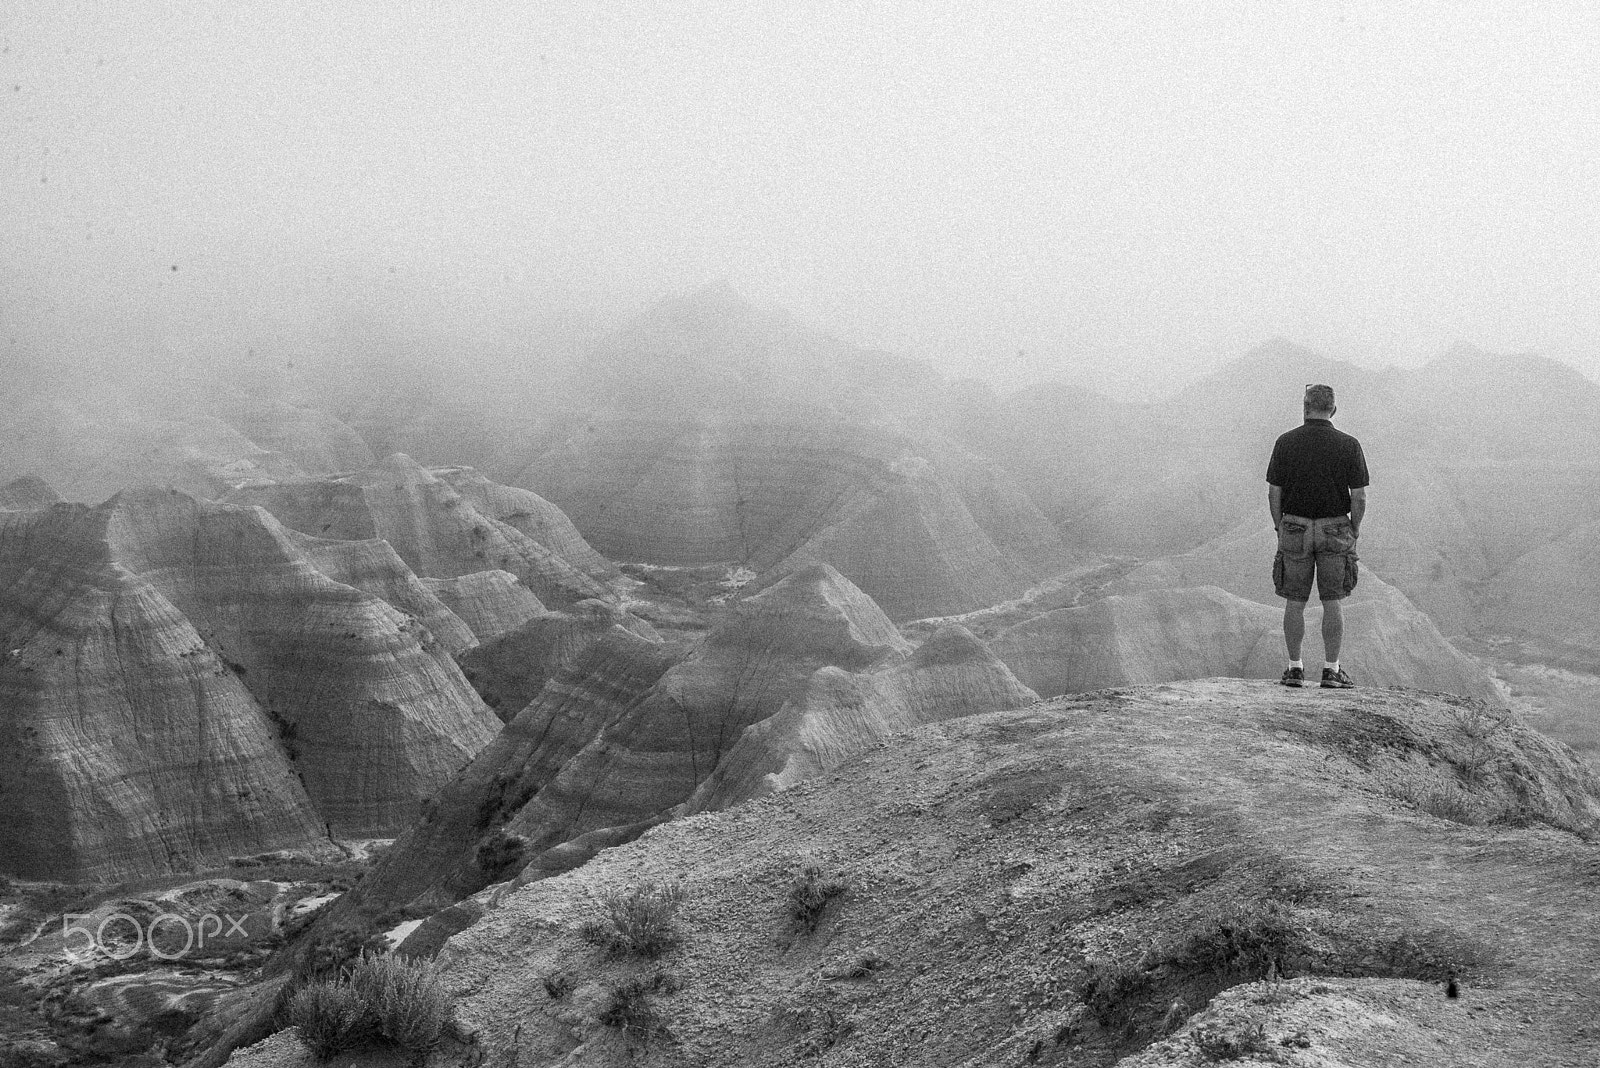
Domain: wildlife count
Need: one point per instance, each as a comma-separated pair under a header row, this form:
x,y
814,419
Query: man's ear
x,y
1335,410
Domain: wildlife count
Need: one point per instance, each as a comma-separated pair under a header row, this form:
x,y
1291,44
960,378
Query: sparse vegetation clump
x,y
558,984
384,1000
1443,801
640,921
1256,940
630,1009
337,950
1478,724
330,1017
809,898
1231,1040
499,853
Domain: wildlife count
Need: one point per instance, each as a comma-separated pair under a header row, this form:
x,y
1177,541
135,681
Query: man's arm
x,y
1358,508
1275,503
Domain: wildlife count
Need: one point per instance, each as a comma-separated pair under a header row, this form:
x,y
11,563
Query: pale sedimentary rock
x,y
437,529
436,860
923,530
130,747
510,669
625,730
372,566
490,603
533,515
377,712
840,714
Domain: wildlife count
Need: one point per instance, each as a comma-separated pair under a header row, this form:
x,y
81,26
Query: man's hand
x,y
1275,504
1358,508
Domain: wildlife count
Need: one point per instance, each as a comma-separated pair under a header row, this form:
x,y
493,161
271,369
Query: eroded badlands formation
x,y
746,572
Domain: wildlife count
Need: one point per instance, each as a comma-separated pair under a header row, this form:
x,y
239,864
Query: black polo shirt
x,y
1317,466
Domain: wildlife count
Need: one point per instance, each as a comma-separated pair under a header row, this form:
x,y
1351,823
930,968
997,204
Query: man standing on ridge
x,y
1317,492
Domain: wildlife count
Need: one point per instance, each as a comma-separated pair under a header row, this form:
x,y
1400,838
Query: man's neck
x,y
1319,418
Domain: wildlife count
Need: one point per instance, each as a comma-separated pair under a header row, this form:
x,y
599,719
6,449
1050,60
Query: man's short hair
x,y
1319,398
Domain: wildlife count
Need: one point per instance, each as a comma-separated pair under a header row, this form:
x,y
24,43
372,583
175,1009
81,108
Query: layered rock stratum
x,y
440,530
188,680
379,714
923,528
131,748
626,733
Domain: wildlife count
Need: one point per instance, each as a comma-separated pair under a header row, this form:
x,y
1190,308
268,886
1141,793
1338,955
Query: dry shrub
x,y
640,921
809,898
384,1000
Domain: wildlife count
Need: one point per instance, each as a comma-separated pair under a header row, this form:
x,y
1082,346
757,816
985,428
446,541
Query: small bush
x,y
407,1000
1478,724
499,853
826,1027
331,1017
809,898
558,984
337,950
1441,801
1231,1041
629,1008
384,999
640,921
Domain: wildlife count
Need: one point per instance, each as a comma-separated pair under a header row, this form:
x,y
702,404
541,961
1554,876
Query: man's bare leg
x,y
1332,629
1294,626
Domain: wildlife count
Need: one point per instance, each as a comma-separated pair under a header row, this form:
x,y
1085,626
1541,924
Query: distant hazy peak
x,y
27,493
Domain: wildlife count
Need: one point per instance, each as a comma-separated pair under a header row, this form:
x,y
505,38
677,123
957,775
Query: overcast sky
x,y
1122,193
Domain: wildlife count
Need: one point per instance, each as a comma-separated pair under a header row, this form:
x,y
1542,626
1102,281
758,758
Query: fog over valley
x,y
1120,196
575,535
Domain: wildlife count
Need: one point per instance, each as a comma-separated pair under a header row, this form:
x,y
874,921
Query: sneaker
x,y
1293,676
1336,680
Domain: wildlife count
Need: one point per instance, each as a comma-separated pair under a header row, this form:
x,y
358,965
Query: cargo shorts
x,y
1326,547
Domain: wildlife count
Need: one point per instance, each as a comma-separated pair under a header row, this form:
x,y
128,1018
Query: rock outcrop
x,y
437,529
624,731
375,713
510,670
490,603
923,531
373,567
840,714
131,748
437,860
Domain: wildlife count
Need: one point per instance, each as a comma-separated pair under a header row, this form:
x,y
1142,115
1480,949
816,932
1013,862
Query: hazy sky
x,y
1124,192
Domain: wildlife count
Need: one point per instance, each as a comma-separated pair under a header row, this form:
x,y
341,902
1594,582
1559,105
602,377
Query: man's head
x,y
1319,402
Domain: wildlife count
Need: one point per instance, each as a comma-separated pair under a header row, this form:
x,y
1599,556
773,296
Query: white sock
x,y
1301,664
1330,665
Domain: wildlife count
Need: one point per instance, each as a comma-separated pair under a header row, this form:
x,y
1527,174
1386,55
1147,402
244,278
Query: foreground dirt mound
x,y
1065,883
